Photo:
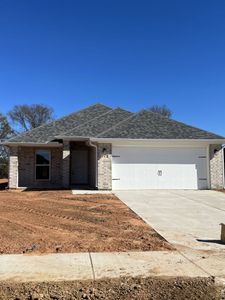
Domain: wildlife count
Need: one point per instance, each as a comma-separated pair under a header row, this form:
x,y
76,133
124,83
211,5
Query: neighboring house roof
x,y
100,121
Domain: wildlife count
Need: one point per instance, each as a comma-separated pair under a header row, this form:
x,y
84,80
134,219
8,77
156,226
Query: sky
x,y
131,54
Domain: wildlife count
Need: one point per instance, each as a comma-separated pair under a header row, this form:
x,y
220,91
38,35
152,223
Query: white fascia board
x,y
72,138
160,142
13,144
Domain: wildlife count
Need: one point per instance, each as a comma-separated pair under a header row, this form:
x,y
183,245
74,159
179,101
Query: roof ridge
x,y
118,107
132,115
87,122
108,112
57,120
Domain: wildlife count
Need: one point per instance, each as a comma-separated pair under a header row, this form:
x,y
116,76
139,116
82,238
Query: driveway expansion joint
x,y
92,266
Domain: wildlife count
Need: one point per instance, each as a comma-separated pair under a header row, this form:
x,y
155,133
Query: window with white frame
x,y
42,164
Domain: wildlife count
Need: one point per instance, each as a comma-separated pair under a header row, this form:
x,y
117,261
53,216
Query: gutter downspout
x,y
90,144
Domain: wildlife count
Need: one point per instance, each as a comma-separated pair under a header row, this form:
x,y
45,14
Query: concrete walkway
x,y
83,266
187,219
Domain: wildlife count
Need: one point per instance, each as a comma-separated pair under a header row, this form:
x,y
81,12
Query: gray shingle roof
x,y
99,124
100,121
149,125
47,132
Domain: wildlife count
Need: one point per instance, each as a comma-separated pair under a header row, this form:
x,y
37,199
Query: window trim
x,y
43,165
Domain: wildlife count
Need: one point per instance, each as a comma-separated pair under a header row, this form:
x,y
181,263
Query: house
x,y
104,148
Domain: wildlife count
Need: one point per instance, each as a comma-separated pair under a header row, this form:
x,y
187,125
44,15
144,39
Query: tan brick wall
x,y
26,158
216,167
66,164
13,167
104,166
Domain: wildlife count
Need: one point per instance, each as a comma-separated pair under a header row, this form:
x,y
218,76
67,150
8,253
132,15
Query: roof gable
x,y
150,125
47,132
97,125
100,121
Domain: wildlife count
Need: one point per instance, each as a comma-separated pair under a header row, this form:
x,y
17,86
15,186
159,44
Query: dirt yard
x,y
115,289
57,221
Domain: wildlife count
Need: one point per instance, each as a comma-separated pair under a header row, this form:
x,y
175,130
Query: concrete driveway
x,y
186,218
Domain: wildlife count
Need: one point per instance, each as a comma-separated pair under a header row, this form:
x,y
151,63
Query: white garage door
x,y
159,168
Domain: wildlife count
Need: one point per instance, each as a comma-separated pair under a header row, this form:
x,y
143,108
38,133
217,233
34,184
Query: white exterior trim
x,y
57,145
128,141
160,142
208,166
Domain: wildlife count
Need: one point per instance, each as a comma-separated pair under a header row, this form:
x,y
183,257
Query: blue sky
x,y
133,54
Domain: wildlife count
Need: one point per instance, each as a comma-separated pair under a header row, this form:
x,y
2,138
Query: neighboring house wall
x,y
13,167
216,165
26,158
104,166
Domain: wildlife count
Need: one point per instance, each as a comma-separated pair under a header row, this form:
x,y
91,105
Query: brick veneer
x,y
26,167
13,167
104,166
66,164
216,165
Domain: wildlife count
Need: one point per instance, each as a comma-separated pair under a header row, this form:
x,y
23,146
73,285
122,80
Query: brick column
x,y
104,166
216,166
13,167
66,164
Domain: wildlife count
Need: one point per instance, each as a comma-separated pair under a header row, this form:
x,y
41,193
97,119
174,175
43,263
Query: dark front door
x,y
79,167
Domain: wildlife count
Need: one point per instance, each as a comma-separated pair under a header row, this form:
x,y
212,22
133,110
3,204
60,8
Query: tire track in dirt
x,y
43,213
76,223
29,226
84,225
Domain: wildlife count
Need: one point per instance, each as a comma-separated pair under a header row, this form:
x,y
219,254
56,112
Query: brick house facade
x,y
79,151
22,167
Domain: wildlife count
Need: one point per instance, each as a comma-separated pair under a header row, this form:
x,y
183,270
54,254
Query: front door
x,y
79,167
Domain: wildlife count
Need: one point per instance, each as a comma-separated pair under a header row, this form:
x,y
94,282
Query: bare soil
x,y
57,221
115,289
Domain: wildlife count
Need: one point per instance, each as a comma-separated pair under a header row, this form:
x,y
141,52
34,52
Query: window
x,y
42,164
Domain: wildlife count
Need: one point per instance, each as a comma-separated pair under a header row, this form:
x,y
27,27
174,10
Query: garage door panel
x,y
129,175
175,176
159,168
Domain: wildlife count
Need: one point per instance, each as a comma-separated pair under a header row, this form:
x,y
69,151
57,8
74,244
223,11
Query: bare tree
x,y
162,110
28,117
5,128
